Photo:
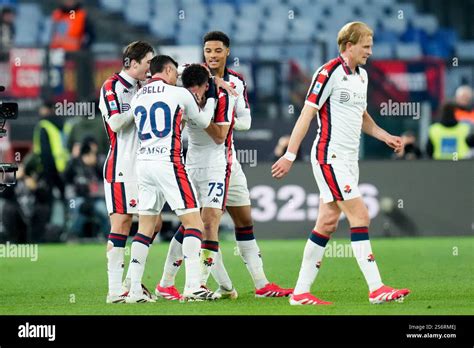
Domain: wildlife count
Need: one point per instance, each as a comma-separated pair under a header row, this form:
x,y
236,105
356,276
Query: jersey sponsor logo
x,y
324,72
359,98
156,150
125,107
109,93
215,200
126,91
344,78
344,97
221,94
135,261
120,174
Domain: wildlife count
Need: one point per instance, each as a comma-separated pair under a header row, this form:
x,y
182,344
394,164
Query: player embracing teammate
x,y
120,178
222,184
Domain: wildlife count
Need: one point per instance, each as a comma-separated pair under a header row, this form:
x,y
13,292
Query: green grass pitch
x,y
71,280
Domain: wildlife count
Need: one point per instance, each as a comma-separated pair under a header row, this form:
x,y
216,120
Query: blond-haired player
x,y
338,96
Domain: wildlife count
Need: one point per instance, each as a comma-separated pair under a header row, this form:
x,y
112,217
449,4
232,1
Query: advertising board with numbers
x,y
404,198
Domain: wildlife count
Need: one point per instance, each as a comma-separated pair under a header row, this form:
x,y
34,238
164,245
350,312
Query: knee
x,y
327,224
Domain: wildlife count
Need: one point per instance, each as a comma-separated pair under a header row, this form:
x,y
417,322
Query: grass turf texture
x,y
71,280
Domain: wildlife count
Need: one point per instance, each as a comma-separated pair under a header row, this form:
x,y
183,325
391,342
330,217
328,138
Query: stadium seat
x,y
250,11
137,12
274,31
243,52
163,28
398,26
302,30
382,51
408,50
465,49
269,52
226,11
46,32
113,5
428,23
437,48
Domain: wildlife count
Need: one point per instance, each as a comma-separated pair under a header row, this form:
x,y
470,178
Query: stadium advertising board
x,y
403,198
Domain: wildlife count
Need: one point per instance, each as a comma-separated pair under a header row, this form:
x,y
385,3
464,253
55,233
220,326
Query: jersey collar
x,y
154,79
226,74
346,67
126,79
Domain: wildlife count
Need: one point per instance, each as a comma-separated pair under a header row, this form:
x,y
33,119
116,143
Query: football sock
x,y
191,252
251,255
209,250
363,253
173,259
128,277
220,273
138,255
115,257
312,256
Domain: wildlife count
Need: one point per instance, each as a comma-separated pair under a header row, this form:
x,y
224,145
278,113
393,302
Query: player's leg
x,y
193,227
165,287
127,281
181,196
120,227
211,218
358,216
326,225
138,257
238,206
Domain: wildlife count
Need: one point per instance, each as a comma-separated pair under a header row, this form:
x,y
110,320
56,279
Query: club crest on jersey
x,y
133,203
371,258
177,263
347,189
318,264
232,85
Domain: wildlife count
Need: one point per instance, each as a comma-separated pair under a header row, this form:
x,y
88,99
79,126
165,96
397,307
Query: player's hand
x,y
395,143
220,83
281,167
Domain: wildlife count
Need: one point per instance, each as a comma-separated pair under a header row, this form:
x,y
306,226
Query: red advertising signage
x,y
26,72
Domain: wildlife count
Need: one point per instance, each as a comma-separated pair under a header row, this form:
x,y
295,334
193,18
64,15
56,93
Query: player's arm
x,y
371,128
196,116
114,117
219,128
243,119
283,165
318,94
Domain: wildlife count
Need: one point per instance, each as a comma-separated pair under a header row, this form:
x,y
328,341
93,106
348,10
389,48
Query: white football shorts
x,y
121,197
161,182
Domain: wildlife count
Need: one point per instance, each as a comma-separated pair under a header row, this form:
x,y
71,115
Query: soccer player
x,y
338,94
216,50
159,109
120,180
209,162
